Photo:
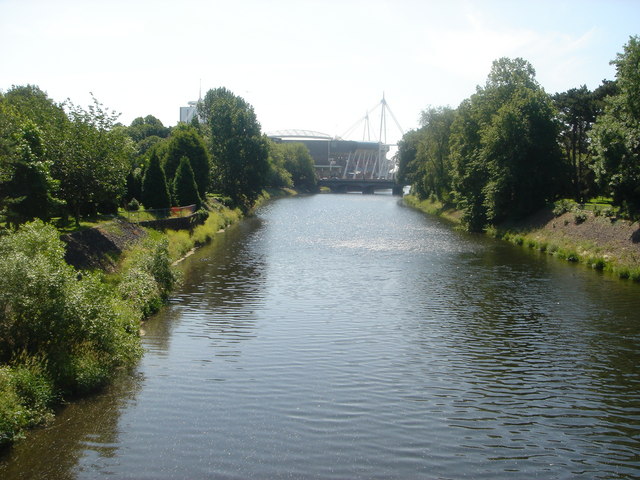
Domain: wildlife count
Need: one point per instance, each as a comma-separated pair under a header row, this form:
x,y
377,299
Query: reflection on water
x,y
83,432
344,336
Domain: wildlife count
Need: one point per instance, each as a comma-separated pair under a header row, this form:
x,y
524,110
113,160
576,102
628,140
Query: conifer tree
x,y
185,189
155,193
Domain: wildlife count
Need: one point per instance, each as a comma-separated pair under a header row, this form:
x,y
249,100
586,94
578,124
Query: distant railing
x,y
137,216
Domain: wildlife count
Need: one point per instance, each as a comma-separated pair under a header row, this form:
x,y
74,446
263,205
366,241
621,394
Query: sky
x,y
315,65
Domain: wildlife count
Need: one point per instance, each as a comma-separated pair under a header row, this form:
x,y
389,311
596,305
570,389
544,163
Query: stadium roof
x,y
296,133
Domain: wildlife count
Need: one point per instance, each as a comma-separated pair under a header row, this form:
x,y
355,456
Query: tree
x,y
279,177
577,113
407,150
185,141
148,126
31,103
616,134
155,193
30,192
94,169
239,151
185,190
432,152
503,147
299,164
470,173
522,157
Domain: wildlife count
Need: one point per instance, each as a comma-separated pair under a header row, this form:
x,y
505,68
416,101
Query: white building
x,y
188,113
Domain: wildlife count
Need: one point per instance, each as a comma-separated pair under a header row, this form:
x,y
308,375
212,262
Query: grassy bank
x,y
590,237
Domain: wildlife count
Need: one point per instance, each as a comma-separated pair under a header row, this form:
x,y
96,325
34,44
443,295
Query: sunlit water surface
x,y
346,336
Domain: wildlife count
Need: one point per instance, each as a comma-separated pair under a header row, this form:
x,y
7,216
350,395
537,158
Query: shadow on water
x,y
85,429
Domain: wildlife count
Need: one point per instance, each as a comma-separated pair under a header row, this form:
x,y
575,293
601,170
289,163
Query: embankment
x,y
596,241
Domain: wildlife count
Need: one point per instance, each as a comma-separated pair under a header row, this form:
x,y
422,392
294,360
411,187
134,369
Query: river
x,y
346,337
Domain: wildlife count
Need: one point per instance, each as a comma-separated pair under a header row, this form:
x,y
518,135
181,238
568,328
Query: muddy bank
x,y
100,247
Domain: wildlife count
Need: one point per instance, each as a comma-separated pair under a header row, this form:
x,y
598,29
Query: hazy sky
x,y
315,65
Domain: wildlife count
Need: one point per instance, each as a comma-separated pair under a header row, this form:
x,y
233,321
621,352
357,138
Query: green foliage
x,y
616,132
407,165
30,191
185,190
239,150
577,111
133,205
292,166
432,153
155,192
149,126
503,148
579,217
48,311
563,206
187,142
146,278
470,174
94,169
279,177
520,151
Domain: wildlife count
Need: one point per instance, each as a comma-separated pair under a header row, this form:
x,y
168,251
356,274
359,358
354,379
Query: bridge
x,y
364,185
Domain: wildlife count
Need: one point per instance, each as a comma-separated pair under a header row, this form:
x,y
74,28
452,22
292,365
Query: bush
x,y
579,217
133,205
146,277
562,206
75,325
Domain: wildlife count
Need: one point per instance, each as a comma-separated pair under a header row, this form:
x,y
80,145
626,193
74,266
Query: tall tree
x,y
29,102
155,192
239,151
616,133
407,150
279,177
185,141
522,157
185,190
93,172
31,190
470,173
503,146
577,113
433,152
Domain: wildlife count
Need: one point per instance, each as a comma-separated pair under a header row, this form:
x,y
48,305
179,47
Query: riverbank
x,y
596,241
124,269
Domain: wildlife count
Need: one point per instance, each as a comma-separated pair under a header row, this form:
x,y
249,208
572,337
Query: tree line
x,y
511,148
63,160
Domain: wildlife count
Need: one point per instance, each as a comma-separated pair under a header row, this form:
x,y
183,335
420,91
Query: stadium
x,y
338,158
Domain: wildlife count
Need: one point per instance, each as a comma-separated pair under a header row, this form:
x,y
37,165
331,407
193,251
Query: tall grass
x,y
182,241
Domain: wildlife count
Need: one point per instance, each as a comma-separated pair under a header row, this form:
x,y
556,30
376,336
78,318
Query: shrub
x,y
48,311
133,205
579,217
561,207
146,276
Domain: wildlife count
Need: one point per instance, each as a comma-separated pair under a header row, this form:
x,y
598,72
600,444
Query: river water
x,y
347,336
